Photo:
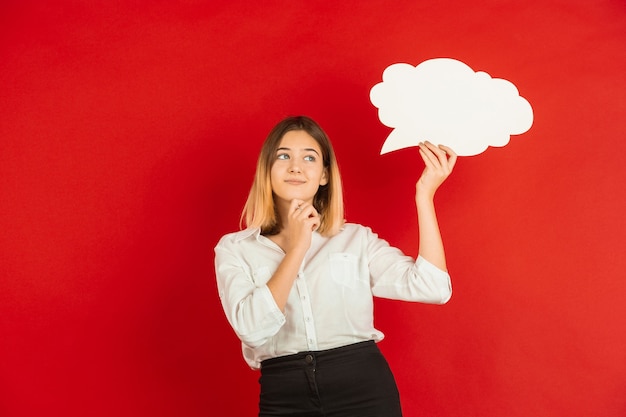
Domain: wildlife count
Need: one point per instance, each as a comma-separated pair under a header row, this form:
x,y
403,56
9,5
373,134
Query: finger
x,y
296,205
452,156
303,211
314,222
438,151
446,156
430,160
452,162
447,150
308,210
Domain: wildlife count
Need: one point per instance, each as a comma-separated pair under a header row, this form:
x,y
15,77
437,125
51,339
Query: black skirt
x,y
349,381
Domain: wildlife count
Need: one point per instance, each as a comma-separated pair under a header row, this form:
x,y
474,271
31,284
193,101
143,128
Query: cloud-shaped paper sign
x,y
444,101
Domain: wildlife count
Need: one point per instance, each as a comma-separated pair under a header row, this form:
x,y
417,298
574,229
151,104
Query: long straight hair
x,y
260,209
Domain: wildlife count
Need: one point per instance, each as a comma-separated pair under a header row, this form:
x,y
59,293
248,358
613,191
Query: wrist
x,y
424,198
297,251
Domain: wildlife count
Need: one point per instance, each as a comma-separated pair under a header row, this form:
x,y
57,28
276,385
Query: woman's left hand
x,y
439,161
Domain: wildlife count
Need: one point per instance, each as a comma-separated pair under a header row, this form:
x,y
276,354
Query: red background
x,y
129,132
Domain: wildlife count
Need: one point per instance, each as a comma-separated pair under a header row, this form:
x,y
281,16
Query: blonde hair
x,y
260,211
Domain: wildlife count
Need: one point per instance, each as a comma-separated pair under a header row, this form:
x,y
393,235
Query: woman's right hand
x,y
439,162
302,220
295,240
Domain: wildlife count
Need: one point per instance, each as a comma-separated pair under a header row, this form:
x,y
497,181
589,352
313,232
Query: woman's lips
x,y
295,182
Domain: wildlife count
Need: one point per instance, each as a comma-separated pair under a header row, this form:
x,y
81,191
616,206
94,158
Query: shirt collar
x,y
246,233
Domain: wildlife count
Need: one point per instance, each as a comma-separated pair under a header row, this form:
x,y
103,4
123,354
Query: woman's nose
x,y
294,167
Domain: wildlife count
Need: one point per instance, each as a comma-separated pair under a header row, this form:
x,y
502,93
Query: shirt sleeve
x,y
397,276
249,308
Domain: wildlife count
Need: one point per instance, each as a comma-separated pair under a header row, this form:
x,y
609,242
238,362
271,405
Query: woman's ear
x,y
324,179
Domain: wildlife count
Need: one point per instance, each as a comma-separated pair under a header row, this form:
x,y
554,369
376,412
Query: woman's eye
x,y
282,156
309,158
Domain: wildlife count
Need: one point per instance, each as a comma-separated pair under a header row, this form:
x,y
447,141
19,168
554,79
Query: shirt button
x,y
308,359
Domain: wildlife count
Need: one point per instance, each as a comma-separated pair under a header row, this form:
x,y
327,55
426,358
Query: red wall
x,y
128,135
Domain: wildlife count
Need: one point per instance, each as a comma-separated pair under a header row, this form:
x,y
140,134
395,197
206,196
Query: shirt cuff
x,y
440,278
273,312
427,266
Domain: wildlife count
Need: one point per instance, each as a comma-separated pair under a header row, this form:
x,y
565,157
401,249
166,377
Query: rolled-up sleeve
x,y
397,276
249,308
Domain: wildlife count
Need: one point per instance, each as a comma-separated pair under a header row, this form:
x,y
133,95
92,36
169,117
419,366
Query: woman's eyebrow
x,y
305,149
311,150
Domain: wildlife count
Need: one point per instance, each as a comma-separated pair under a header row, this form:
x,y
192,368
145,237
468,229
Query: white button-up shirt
x,y
331,301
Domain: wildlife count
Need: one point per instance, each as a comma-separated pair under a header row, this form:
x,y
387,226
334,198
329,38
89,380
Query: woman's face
x,y
298,168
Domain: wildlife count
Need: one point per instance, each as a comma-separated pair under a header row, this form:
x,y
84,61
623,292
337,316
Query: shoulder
x,y
236,238
354,229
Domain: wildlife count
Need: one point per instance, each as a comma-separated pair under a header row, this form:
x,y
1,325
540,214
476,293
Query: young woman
x,y
297,284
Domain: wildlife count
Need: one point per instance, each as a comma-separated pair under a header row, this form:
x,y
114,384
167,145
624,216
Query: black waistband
x,y
281,360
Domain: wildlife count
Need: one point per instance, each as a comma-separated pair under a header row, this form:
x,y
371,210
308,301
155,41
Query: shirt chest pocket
x,y
344,268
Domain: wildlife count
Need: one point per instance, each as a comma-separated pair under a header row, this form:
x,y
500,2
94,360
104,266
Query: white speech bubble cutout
x,y
444,101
